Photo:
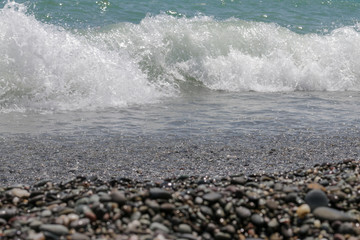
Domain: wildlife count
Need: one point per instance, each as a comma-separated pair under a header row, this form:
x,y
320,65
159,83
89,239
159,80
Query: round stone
x,y
316,198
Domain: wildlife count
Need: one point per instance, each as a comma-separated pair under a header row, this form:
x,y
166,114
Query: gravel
x,y
189,207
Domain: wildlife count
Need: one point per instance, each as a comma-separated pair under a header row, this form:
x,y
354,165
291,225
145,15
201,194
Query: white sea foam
x,y
235,55
43,66
46,67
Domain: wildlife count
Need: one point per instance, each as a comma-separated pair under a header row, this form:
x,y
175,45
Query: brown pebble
x,y
314,185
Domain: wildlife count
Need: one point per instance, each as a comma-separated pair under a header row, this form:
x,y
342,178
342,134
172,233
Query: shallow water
x,y
160,88
209,113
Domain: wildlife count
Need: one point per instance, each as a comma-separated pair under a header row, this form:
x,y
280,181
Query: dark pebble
x,y
158,193
316,198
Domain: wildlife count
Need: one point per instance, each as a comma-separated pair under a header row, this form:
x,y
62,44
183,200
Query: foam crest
x,y
46,67
235,55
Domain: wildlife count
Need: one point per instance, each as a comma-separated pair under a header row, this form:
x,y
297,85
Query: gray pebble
x,y
118,197
273,223
316,198
243,212
347,228
160,227
206,210
8,213
78,236
81,223
184,228
212,197
239,180
331,214
56,229
257,219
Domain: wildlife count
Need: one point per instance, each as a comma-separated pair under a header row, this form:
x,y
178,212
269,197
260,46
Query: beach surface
x,y
321,202
28,159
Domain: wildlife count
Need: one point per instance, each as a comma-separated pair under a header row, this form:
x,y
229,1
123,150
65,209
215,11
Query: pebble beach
x,y
186,120
321,202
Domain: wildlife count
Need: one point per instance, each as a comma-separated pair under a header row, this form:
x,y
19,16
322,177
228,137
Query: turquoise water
x,y
303,16
131,61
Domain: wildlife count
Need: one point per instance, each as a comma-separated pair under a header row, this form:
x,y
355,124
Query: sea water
x,y
181,68
154,89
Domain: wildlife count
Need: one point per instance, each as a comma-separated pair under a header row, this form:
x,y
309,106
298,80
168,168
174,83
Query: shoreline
x,y
29,159
321,202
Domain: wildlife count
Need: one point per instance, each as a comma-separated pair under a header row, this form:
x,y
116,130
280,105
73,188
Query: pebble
x,y
273,223
8,213
303,210
239,180
20,193
118,197
271,204
158,226
158,193
78,236
212,197
286,231
347,228
243,212
257,219
331,214
184,228
56,229
222,236
206,210
316,198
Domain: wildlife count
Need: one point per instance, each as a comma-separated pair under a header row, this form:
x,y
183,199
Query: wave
x,y
49,68
44,66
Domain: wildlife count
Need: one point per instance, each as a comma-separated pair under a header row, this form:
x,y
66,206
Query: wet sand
x,y
29,159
